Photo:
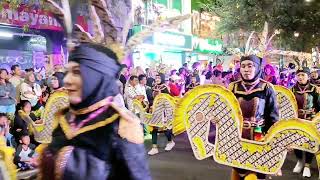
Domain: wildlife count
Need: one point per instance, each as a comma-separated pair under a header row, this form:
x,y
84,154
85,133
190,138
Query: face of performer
x,y
158,79
247,70
314,75
73,82
302,78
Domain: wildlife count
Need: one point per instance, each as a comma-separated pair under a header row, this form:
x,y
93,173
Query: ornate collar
x,y
93,107
250,83
254,87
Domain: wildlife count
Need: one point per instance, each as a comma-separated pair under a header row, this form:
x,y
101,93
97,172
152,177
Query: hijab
x,y
59,76
257,64
305,70
99,68
163,78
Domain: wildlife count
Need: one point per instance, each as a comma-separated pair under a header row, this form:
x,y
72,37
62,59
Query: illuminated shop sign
x,y
168,39
213,46
171,40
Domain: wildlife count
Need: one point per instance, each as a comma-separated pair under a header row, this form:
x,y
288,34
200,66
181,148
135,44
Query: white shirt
x,y
15,81
141,90
130,92
24,154
33,98
202,79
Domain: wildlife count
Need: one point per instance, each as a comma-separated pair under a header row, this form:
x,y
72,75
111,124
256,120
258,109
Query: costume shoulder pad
x,y
232,84
267,84
317,88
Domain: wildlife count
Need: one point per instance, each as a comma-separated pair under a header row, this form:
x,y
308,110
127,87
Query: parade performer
x,y
315,77
269,74
193,83
258,104
160,87
92,138
307,98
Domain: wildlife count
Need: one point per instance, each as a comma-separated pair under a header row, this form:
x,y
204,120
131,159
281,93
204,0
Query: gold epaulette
x,y
316,87
232,84
70,133
268,84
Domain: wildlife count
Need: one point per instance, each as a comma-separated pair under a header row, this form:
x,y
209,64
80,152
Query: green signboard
x,y
164,2
168,40
177,4
208,46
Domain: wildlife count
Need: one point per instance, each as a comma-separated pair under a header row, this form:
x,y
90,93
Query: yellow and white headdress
x,y
105,30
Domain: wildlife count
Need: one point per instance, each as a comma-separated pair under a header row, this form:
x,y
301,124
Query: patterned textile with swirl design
x,y
162,115
209,104
43,132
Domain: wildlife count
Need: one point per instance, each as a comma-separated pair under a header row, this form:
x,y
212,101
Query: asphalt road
x,y
180,164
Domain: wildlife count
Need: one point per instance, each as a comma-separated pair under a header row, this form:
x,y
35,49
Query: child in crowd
x,y
25,156
4,130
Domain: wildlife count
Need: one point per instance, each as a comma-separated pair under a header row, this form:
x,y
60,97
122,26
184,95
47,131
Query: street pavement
x,y
180,164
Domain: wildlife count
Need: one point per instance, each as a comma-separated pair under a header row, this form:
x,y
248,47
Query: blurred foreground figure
x,y
94,138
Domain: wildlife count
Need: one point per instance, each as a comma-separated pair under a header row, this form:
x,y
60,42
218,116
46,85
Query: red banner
x,y
34,19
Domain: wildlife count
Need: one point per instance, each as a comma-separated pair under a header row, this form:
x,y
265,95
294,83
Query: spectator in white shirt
x,y
131,92
30,90
141,87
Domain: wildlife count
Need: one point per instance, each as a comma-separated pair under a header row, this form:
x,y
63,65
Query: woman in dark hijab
x,y
160,87
95,139
57,80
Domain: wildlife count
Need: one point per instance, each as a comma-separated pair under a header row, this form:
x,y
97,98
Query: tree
x,y
289,16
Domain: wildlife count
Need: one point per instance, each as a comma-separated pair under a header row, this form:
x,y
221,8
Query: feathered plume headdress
x,y
263,49
105,31
264,41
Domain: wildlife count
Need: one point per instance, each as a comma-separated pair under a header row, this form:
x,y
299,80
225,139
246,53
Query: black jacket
x,y
265,97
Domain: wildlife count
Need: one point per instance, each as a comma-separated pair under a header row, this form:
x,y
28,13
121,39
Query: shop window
x,y
164,2
177,4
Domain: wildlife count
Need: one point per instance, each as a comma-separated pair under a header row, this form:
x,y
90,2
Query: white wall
x,y
186,9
